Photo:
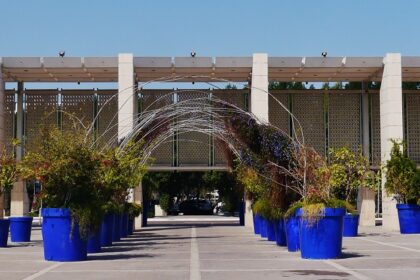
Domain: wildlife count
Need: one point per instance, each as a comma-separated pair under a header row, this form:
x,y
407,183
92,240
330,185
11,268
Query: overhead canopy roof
x,y
105,69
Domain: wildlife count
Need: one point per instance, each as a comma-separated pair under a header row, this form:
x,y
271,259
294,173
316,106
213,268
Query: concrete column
x,y
19,197
366,197
258,105
127,98
138,198
391,112
259,89
2,129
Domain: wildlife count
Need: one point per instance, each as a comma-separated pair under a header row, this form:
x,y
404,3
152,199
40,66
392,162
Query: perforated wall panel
x,y
77,103
152,100
9,109
41,108
194,147
413,125
375,128
344,120
277,115
237,98
107,120
308,107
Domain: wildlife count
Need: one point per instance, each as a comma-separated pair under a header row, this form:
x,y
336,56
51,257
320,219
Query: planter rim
x,y
21,219
328,212
349,215
408,206
55,212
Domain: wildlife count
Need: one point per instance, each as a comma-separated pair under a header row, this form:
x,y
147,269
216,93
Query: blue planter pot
x,y
323,238
116,232
61,242
130,226
4,232
409,218
94,242
350,225
280,233
292,234
20,229
257,223
106,230
271,232
124,225
263,227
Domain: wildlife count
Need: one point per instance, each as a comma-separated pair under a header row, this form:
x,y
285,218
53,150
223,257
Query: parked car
x,y
196,207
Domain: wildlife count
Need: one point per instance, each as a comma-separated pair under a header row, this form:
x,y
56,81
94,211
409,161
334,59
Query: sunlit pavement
x,y
217,249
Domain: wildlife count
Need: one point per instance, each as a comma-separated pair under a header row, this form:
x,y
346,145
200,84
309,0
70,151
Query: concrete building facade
x,y
364,117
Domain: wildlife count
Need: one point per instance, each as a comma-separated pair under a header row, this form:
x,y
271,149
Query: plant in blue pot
x,y
403,183
133,210
349,173
67,165
8,176
320,215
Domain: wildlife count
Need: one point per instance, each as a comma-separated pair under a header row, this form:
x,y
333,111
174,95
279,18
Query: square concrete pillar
x,y
19,205
259,89
366,197
391,112
258,106
138,198
127,96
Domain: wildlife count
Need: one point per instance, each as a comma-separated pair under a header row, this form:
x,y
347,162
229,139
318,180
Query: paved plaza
x,y
217,249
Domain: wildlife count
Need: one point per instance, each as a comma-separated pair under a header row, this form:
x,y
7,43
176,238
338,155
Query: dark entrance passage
x,y
191,197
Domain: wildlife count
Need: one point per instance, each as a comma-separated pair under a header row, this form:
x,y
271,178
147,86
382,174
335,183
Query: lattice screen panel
x,y
276,114
41,108
152,100
308,107
194,147
413,125
78,103
344,120
375,128
9,112
237,98
107,120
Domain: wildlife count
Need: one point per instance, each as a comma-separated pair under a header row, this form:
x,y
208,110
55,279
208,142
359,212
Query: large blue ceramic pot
x,y
280,232
20,229
323,237
94,242
124,225
61,242
263,227
350,225
116,232
257,223
107,229
130,226
292,233
4,232
271,232
409,218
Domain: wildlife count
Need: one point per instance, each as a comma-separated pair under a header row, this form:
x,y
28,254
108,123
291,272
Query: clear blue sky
x,y
212,28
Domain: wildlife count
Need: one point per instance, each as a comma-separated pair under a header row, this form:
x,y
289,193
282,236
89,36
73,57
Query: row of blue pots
x,y
20,229
319,240
64,243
